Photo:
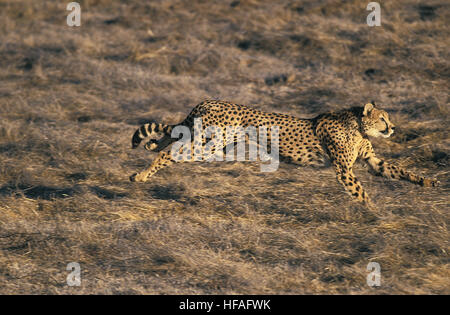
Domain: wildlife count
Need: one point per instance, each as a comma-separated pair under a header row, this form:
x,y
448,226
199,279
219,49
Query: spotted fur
x,y
338,137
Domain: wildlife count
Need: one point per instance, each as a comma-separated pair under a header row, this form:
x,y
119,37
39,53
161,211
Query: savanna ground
x,y
71,98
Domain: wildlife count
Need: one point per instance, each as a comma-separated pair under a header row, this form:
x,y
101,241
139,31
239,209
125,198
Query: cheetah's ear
x,y
367,109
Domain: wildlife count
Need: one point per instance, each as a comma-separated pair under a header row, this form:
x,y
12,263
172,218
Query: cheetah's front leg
x,y
382,168
346,177
164,159
343,160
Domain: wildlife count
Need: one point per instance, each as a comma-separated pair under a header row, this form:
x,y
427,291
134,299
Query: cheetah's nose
x,y
393,128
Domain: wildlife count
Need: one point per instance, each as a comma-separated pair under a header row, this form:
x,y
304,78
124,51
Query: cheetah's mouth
x,y
386,133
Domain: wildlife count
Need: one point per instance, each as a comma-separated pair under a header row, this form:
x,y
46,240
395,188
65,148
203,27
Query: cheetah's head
x,y
375,122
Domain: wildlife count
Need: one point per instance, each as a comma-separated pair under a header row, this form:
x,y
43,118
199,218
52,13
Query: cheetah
x,y
335,138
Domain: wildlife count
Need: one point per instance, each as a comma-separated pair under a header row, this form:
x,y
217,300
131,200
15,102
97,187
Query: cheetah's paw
x,y
138,178
428,182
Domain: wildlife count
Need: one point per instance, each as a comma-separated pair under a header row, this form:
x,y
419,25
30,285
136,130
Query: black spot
x,y
153,39
120,20
276,79
372,73
116,57
106,193
167,192
76,176
332,278
299,9
244,44
27,64
440,157
302,39
426,12
83,119
111,21
234,4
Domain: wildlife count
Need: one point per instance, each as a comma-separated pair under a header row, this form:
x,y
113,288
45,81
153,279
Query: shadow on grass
x,y
37,192
167,192
51,193
106,193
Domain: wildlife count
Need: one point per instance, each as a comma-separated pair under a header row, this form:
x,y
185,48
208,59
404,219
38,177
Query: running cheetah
x,y
339,138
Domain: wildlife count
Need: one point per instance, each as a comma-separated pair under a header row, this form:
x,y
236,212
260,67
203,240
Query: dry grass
x,y
70,99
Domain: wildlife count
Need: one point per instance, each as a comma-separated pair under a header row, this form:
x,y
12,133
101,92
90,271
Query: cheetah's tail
x,y
148,130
